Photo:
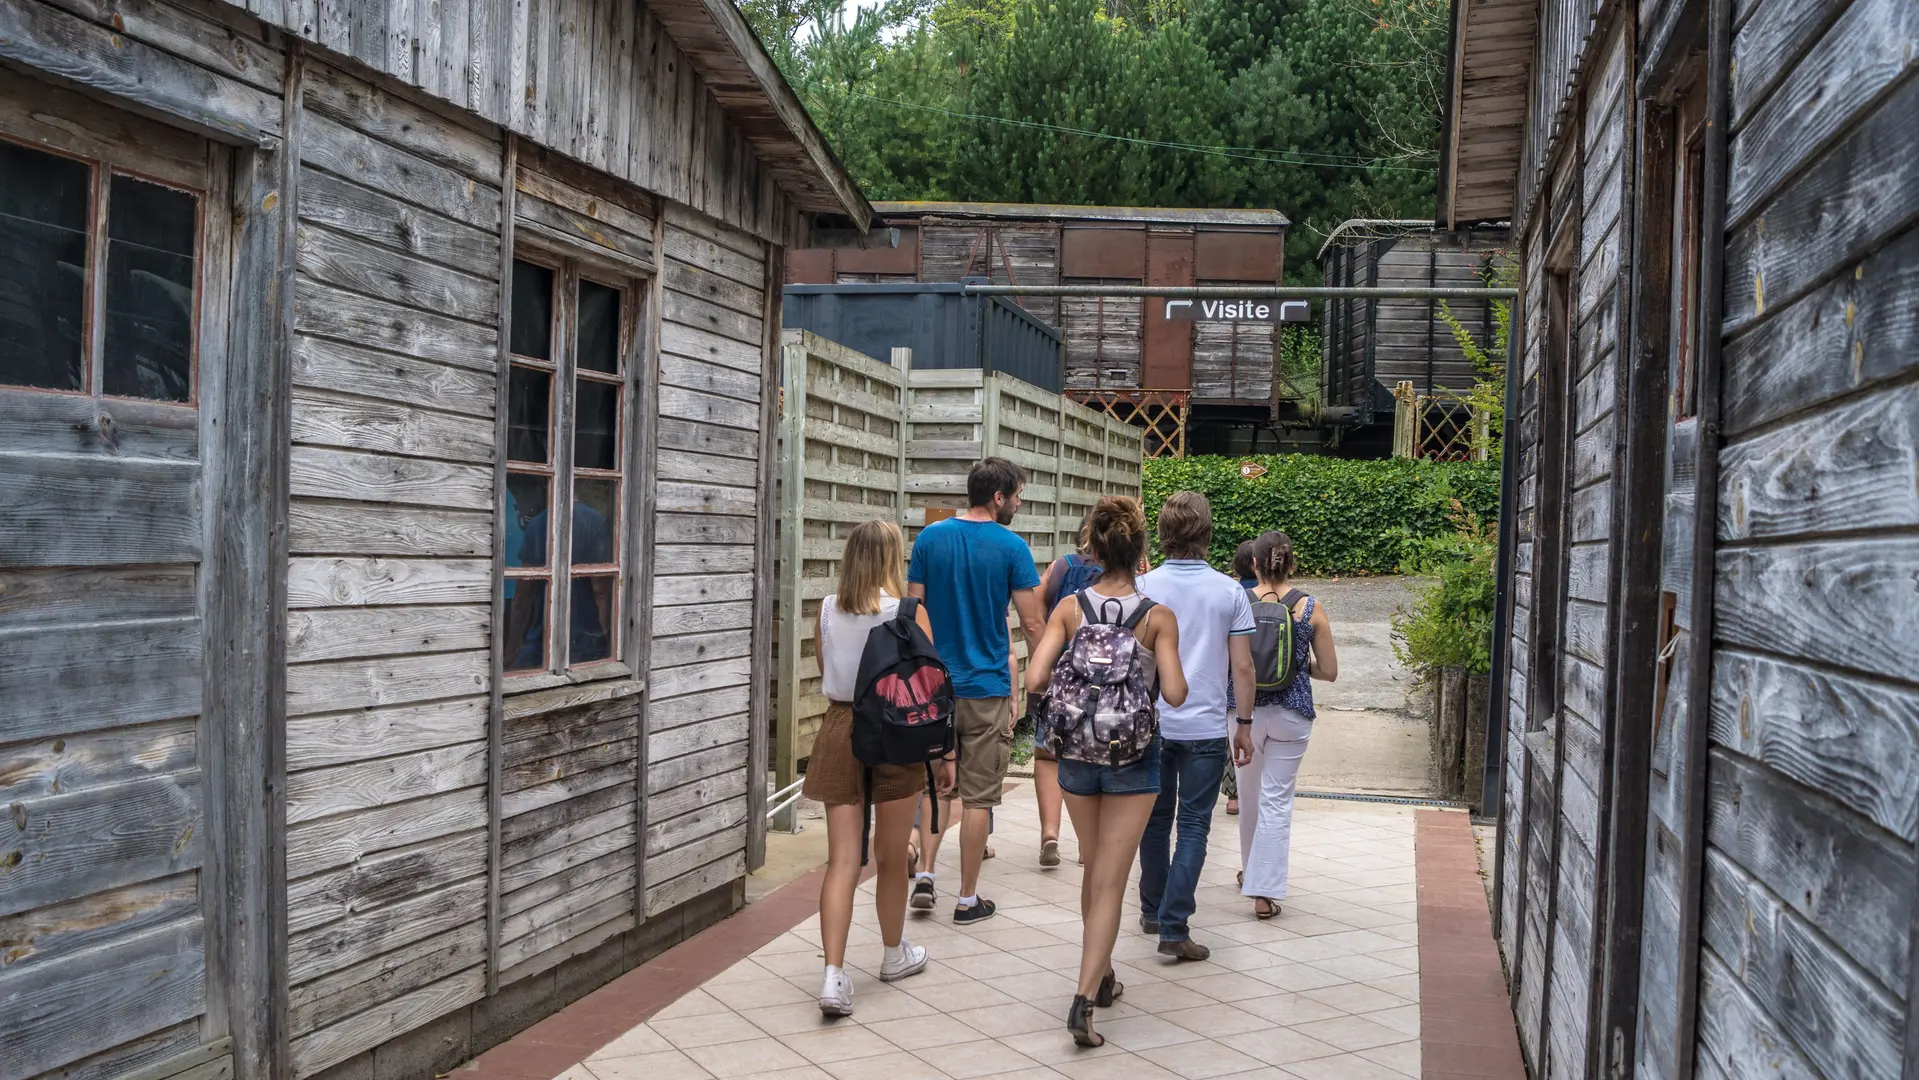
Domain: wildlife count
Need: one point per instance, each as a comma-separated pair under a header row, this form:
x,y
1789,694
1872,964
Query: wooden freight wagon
x,y
328,747
1706,660
1224,371
1371,346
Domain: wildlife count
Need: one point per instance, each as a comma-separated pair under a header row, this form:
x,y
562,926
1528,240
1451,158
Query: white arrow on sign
x,y
1180,306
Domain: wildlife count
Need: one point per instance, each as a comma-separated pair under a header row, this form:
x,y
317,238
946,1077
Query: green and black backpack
x,y
1274,656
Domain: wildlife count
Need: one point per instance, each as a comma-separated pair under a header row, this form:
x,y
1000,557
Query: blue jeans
x,y
1189,788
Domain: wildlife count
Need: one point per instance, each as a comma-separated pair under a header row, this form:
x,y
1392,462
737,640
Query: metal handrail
x,y
784,798
1252,292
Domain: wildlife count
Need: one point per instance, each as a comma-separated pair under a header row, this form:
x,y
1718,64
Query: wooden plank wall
x,y
569,758
707,517
1006,254
1406,333
1101,337
1811,812
396,310
111,883
1591,387
597,80
1520,937
1233,361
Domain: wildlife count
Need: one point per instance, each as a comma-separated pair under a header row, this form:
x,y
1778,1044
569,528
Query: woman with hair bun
x,y
1268,750
1110,801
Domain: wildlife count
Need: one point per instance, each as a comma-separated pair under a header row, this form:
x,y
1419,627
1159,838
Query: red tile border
x,y
573,1034
1465,1018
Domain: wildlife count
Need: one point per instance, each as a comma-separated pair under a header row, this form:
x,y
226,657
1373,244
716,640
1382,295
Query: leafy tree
x,y
1323,109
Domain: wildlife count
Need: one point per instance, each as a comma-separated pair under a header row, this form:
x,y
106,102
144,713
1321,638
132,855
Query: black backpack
x,y
1275,661
902,705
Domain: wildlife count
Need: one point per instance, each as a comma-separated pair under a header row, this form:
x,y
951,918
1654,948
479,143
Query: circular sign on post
x,y
1251,470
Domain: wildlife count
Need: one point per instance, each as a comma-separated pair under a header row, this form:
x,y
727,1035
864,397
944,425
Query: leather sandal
x,y
1272,907
1079,1021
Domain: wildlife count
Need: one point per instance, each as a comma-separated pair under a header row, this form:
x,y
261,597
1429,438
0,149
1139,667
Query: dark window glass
x,y
529,530
591,635
150,291
596,438
532,311
43,267
596,516
599,338
529,415
523,623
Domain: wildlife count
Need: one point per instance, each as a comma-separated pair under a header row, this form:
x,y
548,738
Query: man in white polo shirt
x,y
1215,644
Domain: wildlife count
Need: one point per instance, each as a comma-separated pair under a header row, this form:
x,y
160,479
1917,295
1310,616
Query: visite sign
x,y
1297,311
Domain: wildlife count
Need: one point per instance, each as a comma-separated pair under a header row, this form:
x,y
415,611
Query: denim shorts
x,y
1139,778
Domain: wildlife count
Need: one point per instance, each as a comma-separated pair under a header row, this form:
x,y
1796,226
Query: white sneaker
x,y
912,961
836,992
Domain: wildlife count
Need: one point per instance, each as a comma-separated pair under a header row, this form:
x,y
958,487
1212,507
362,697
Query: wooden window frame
x,y
1688,117
102,168
570,269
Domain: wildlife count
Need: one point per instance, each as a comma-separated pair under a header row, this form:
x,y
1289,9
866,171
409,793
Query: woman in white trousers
x,y
1268,751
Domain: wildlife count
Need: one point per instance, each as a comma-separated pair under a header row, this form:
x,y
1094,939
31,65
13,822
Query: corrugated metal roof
x,y
1065,212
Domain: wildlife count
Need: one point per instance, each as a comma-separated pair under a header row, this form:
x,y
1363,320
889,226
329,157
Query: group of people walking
x,y
1144,686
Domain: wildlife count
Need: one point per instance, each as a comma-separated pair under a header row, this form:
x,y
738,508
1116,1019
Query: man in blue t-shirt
x,y
966,569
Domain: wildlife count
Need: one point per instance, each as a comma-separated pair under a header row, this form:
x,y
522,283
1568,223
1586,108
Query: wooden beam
x,y
784,420
246,607
645,528
1712,239
1635,624
496,663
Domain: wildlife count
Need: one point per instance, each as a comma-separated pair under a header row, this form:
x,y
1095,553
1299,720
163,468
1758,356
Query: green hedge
x,y
1345,517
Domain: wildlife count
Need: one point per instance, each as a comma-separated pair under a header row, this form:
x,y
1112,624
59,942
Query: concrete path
x,y
1328,990
1372,736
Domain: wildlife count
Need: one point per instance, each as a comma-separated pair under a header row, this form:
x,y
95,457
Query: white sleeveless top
x,y
842,641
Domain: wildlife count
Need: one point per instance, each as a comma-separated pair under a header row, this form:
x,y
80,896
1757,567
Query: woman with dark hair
x,y
1268,750
1109,802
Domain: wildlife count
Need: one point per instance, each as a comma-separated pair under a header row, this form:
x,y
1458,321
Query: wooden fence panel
x,y
863,439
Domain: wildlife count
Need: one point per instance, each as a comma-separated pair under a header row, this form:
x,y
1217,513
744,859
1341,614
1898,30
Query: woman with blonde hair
x,y
870,587
1269,748
1109,801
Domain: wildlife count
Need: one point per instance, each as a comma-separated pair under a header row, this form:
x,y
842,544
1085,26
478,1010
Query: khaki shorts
x,y
986,749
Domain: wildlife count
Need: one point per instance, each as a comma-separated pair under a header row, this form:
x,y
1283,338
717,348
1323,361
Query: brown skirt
x,y
835,777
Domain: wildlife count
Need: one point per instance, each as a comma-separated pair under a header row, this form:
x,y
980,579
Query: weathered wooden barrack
x,y
307,312
862,438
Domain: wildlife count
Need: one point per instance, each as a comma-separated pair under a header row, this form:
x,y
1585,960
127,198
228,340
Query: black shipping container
x,y
944,327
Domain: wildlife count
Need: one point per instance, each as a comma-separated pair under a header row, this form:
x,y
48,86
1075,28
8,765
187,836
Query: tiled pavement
x,y
1330,990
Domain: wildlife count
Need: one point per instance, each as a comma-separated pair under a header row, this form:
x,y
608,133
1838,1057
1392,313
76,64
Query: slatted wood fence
x,y
862,438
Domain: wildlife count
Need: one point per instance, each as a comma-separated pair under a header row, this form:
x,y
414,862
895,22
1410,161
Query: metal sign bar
x,y
1249,292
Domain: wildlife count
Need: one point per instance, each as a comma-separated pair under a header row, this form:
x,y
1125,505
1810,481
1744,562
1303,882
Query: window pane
x,y
523,624
529,528
599,337
150,291
43,273
532,311
596,516
594,616
529,413
596,439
